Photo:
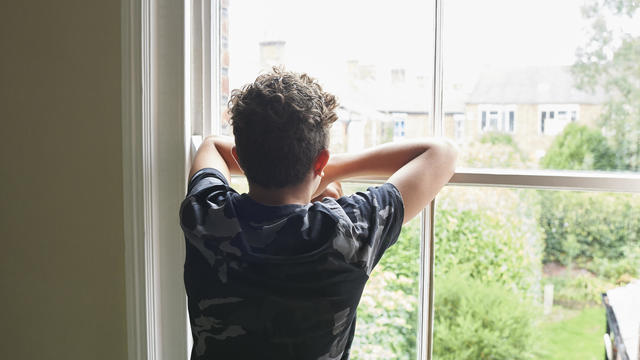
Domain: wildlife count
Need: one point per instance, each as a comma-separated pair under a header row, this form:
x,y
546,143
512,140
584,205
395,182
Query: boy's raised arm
x,y
215,152
418,168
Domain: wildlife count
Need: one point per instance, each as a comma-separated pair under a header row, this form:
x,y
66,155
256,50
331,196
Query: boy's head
x,y
280,123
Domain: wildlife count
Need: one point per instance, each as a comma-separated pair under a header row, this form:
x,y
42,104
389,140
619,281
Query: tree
x,y
611,60
585,226
579,148
588,226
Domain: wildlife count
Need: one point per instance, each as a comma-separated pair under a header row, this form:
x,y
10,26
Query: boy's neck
x,y
297,194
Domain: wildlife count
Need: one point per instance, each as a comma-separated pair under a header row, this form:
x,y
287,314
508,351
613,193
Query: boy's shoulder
x,y
375,206
361,226
205,179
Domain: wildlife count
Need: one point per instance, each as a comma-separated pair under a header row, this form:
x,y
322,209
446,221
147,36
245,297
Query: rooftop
x,y
531,85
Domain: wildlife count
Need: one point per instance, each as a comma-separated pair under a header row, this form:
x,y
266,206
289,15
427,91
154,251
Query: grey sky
x,y
322,35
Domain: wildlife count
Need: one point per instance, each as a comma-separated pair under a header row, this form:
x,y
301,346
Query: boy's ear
x,y
321,161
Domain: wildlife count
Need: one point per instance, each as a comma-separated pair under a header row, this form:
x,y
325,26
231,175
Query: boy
x,y
271,274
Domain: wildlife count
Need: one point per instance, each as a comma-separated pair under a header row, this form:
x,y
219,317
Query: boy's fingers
x,y
333,190
332,193
338,188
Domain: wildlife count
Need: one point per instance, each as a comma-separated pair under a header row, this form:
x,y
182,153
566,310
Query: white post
x,y
548,298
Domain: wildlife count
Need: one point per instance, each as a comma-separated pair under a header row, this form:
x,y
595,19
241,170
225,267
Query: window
x,y
553,118
497,118
541,71
399,123
163,304
397,76
383,96
514,247
459,126
384,87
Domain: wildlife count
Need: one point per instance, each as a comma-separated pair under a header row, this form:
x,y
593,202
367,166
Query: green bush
x,y
579,147
597,230
487,272
586,227
628,266
477,319
495,138
577,291
491,243
487,247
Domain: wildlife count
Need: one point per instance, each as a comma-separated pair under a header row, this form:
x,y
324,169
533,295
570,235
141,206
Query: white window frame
x,y
556,108
155,158
158,97
502,113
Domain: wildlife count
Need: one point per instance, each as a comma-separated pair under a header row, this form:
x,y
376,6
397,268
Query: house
x,y
397,100
533,104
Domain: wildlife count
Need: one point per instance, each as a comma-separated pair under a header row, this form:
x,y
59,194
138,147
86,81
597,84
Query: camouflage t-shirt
x,y
280,282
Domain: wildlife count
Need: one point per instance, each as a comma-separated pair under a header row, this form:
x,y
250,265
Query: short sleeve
x,y
207,189
206,178
377,216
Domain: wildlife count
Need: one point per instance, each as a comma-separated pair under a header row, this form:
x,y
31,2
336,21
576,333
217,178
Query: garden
x,y
490,272
495,252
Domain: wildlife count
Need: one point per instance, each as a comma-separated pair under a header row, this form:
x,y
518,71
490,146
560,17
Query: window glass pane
x,y
511,121
493,120
388,311
582,66
352,48
519,273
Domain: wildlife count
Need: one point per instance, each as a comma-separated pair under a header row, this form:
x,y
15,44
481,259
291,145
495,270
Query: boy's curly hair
x,y
280,123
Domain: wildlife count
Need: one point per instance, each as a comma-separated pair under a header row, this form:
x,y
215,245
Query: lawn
x,y
574,334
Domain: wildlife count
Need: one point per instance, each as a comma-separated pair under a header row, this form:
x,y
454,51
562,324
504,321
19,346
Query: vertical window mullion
x,y
436,119
427,255
195,60
214,44
425,336
206,63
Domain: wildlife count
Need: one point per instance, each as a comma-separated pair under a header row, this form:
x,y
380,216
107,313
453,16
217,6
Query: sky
x,y
322,35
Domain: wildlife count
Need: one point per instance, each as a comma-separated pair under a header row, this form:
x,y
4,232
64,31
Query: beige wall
x,y
590,114
449,126
416,125
527,131
61,226
471,123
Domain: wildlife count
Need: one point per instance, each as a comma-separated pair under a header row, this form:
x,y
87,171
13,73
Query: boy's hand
x,y
418,168
333,190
